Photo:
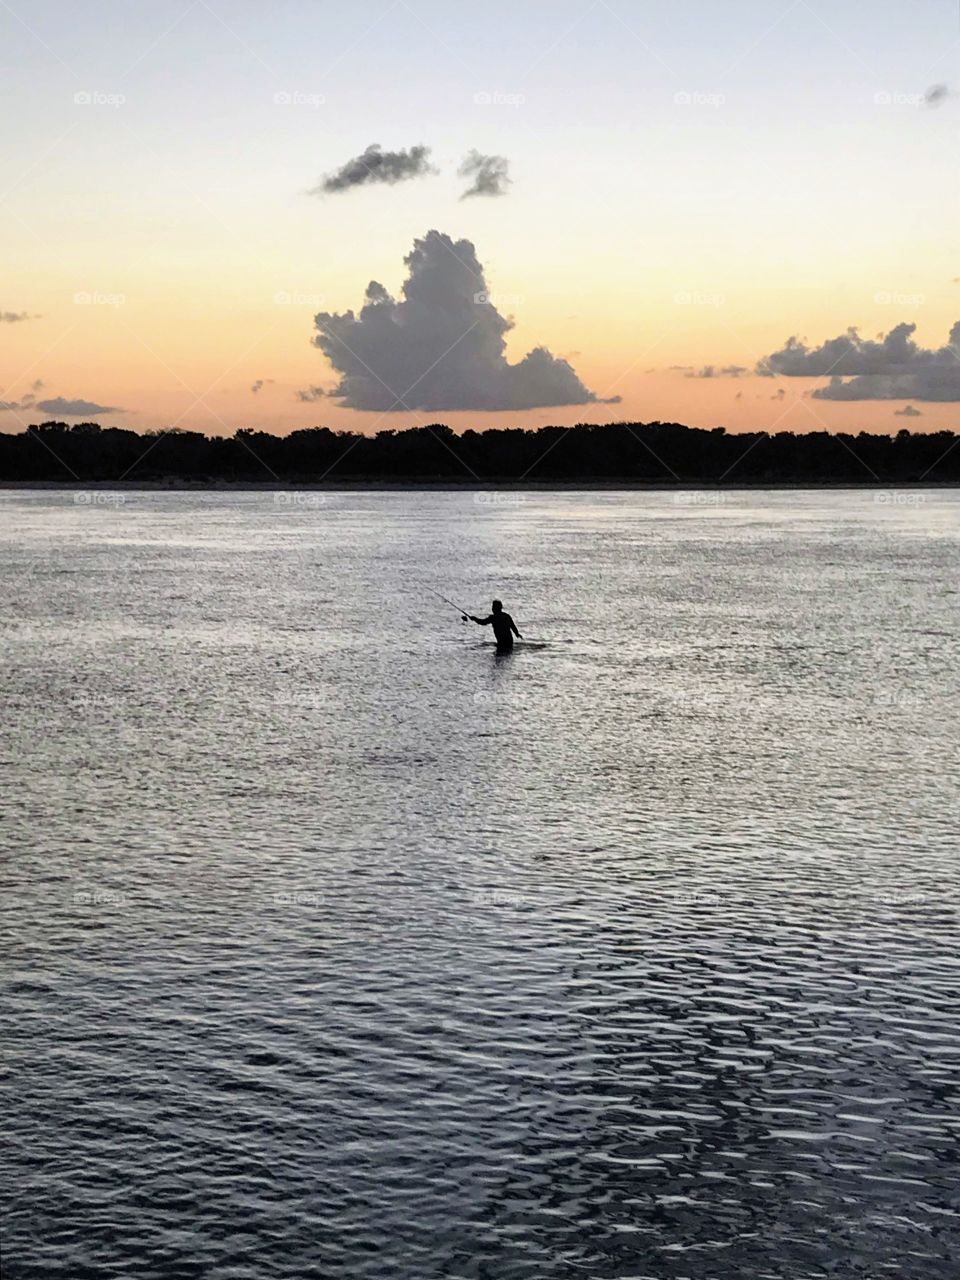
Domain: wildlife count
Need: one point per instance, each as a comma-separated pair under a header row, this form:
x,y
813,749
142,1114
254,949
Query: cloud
x,y
75,408
893,367
15,317
374,166
25,402
936,95
441,346
712,371
28,401
908,411
260,384
489,173
309,394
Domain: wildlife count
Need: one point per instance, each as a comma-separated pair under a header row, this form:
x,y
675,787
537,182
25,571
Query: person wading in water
x,y
504,627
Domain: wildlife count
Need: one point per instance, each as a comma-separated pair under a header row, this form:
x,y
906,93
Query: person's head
x,y
497,606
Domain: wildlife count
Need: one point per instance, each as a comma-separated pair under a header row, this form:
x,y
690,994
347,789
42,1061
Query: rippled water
x,y
338,946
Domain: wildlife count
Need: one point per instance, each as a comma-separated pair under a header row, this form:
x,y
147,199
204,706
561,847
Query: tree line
x,y
662,453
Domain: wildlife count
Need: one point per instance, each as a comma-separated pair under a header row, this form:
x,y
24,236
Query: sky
x,y
574,211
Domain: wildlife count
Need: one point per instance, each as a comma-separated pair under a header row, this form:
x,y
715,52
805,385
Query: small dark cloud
x,y
441,345
908,411
936,95
75,408
490,175
717,371
779,395
25,402
16,317
37,384
309,394
376,166
260,384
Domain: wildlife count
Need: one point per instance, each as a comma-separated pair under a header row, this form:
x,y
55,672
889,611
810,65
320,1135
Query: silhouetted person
x,y
504,627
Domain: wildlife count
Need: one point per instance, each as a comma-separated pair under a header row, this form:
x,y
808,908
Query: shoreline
x,y
426,485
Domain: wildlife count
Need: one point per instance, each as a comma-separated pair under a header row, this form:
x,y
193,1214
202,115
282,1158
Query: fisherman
x,y
504,627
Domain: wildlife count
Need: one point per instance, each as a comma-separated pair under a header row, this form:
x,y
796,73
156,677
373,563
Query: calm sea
x,y
336,946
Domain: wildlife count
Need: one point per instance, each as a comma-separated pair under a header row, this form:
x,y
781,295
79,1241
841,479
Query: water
x,y
337,946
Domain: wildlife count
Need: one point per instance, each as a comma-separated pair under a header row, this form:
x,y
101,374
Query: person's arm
x,y
515,631
483,622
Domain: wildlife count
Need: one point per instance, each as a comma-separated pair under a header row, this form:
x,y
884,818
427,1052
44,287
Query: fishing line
x,y
452,605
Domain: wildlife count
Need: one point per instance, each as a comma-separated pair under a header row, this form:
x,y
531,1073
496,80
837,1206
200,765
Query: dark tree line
x,y
633,453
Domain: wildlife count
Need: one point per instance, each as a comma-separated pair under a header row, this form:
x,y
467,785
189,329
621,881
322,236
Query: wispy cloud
x,y
490,175
376,166
75,408
717,371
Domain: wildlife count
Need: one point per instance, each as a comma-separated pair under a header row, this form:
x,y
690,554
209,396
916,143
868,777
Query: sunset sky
x,y
688,185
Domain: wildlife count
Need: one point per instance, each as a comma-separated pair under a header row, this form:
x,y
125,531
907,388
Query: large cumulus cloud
x,y
893,367
440,346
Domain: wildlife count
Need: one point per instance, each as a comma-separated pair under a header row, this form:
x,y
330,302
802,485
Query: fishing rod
x,y
463,613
